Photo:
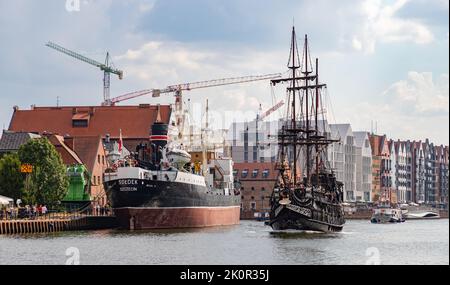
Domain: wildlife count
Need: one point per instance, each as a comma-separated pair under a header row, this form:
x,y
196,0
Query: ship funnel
x,y
158,140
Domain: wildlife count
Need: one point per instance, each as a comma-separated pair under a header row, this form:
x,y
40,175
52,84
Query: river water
x,y
251,242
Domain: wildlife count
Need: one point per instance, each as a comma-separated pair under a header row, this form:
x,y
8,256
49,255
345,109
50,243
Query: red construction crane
x,y
270,111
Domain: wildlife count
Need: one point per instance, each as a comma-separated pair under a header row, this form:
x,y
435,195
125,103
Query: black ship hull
x,y
290,220
307,214
152,204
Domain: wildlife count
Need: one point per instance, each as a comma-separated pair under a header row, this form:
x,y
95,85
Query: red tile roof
x,y
68,156
87,149
135,121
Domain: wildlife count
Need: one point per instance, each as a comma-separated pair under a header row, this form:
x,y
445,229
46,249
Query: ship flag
x,y
120,141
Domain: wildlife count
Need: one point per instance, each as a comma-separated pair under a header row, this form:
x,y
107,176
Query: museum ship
x,y
161,186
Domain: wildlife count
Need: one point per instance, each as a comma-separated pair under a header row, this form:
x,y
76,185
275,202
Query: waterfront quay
x,y
51,225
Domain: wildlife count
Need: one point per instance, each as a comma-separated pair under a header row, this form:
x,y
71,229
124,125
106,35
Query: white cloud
x,y
380,24
419,94
146,6
159,64
414,108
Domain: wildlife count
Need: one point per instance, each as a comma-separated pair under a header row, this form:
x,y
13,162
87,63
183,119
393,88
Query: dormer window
x,y
265,173
244,173
80,120
255,173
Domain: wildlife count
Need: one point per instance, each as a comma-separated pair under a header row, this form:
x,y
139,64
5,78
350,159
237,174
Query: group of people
x,y
27,212
97,210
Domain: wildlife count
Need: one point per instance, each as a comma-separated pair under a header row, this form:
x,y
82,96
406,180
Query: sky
x,y
383,61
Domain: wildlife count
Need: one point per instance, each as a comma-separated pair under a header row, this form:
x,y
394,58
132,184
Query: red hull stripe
x,y
177,217
159,138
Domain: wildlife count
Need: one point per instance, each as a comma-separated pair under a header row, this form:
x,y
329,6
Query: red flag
x,y
120,141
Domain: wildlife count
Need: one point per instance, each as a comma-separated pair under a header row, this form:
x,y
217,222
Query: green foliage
x,y
48,184
11,180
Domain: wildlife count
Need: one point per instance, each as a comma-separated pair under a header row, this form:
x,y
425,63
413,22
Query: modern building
x,y
363,160
343,158
393,170
253,142
401,171
418,173
409,154
257,181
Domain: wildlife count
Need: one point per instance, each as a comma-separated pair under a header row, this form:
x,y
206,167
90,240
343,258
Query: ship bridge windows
x,y
244,173
255,173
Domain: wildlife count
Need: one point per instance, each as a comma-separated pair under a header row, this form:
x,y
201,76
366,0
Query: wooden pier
x,y
14,227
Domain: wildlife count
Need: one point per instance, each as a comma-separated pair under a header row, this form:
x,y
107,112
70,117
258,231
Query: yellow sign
x,y
26,168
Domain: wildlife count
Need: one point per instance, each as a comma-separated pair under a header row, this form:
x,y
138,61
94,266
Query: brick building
x,y
381,169
257,183
84,121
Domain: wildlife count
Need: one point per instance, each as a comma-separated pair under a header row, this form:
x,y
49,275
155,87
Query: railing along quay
x,y
55,222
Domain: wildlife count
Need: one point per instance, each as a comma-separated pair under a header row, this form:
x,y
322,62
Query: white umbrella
x,y
5,200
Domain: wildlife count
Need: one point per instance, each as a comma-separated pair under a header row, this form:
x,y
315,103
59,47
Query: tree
x,y
11,180
48,184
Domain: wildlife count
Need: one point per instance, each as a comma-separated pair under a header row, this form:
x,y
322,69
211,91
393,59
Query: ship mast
x,y
294,68
308,176
294,136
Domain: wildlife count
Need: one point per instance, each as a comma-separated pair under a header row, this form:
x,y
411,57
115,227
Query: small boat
x,y
386,214
422,216
178,157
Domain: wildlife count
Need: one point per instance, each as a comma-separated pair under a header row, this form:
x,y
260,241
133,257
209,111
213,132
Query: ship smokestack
x,y
158,138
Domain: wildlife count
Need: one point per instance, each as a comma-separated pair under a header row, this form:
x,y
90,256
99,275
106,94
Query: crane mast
x,y
105,67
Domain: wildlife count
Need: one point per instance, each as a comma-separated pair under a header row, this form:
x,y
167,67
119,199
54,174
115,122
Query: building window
x,y
244,173
98,158
242,197
253,198
235,172
99,180
103,159
253,206
263,189
265,173
255,173
253,188
80,123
